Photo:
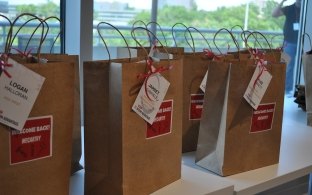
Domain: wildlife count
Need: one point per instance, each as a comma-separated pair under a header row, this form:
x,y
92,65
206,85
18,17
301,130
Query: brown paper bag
x,y
21,170
307,72
96,138
76,153
233,137
129,162
195,66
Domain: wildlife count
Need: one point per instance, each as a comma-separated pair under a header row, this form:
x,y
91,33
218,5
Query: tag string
x,y
151,70
4,64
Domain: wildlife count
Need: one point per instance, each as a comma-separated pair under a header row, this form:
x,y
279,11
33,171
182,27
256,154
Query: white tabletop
x,y
295,161
295,157
196,182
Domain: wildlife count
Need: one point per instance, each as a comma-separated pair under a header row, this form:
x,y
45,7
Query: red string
x,y
26,54
210,55
151,70
260,62
3,64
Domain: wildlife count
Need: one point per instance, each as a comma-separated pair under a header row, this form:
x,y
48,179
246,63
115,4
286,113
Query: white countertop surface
x,y
295,161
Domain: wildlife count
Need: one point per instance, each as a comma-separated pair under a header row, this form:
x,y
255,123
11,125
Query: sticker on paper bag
x,y
163,121
196,106
33,142
262,118
257,86
19,89
150,97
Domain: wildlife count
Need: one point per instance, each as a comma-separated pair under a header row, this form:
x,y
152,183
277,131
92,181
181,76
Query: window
x,y
27,29
121,14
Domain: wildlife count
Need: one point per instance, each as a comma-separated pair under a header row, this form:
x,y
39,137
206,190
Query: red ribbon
x,y
260,62
26,54
151,70
210,55
3,64
258,56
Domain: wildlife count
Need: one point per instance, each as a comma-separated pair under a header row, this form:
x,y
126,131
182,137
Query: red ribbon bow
x,y
258,56
3,64
151,70
210,55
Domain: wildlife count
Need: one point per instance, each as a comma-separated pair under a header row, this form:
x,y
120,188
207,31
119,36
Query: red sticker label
x,y
162,122
196,106
262,118
33,142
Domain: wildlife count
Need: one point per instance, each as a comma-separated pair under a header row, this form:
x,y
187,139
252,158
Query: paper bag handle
x,y
42,22
271,42
145,26
256,32
240,27
102,38
9,34
306,34
173,34
255,37
12,38
58,35
134,37
162,32
232,36
193,48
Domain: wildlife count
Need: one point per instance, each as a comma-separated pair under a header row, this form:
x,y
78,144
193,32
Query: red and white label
x,y
163,121
196,106
262,118
33,142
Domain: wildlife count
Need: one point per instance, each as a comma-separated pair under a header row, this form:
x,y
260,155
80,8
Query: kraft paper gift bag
x,y
22,58
195,66
37,161
96,113
234,137
24,55
76,153
135,157
307,71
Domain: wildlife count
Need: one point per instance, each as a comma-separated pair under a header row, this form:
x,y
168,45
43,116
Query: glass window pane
x,y
209,16
28,31
121,14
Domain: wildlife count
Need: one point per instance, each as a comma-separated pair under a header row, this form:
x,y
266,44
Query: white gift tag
x,y
18,94
150,97
257,86
203,83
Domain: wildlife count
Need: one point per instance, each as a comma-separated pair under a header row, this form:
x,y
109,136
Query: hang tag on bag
x,y
150,97
257,86
18,92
